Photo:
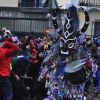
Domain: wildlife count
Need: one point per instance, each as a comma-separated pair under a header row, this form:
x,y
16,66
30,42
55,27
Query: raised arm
x,y
12,48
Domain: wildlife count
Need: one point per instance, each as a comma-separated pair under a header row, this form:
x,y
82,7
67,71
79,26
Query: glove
x,y
31,33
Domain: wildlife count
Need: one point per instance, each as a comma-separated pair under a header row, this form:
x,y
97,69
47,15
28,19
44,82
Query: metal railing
x,y
33,3
89,2
37,3
22,26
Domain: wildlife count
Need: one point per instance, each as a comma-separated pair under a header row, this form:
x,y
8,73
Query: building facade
x,y
93,8
22,16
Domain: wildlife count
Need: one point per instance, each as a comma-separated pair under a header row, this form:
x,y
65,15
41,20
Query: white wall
x,y
10,3
93,15
62,2
67,3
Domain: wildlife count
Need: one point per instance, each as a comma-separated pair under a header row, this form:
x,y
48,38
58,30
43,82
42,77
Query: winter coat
x,y
34,53
17,68
92,49
6,53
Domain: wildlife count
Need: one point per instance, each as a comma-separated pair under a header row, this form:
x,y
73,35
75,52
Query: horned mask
x,y
71,29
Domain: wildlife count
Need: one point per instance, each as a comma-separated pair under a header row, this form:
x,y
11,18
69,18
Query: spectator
x,y
19,68
6,53
81,38
38,88
97,41
23,47
3,35
84,43
91,47
8,33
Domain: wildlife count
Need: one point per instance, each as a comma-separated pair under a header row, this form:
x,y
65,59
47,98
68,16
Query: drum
x,y
77,72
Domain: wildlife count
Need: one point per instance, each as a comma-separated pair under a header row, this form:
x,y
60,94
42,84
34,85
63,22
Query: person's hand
x,y
17,78
5,34
25,76
31,33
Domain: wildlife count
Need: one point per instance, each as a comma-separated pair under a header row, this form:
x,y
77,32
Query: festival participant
x,y
38,89
19,72
65,76
81,38
7,52
97,40
91,47
4,35
24,51
97,60
33,69
98,74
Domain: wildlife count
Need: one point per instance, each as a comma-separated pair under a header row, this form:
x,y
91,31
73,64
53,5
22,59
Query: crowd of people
x,y
21,59
66,86
50,68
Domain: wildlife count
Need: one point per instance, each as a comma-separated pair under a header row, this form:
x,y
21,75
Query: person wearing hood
x,y
19,73
7,51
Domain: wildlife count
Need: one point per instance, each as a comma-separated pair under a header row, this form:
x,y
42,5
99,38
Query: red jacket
x,y
34,53
6,54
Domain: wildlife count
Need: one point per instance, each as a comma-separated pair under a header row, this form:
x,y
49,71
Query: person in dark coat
x,y
19,73
23,46
38,89
91,47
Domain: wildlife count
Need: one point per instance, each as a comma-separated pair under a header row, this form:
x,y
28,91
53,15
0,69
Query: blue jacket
x,y
97,41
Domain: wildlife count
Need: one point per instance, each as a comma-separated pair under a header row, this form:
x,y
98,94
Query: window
x,y
34,3
97,28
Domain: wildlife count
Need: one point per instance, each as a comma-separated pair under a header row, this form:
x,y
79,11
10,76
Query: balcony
x,y
30,4
34,3
93,3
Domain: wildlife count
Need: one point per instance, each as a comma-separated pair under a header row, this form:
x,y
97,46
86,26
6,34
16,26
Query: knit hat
x,y
24,61
7,31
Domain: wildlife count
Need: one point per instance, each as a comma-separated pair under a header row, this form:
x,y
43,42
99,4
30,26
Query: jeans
x,y
5,88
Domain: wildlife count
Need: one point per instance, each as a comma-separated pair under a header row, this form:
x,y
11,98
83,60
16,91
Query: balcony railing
x,y
30,4
33,3
89,2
